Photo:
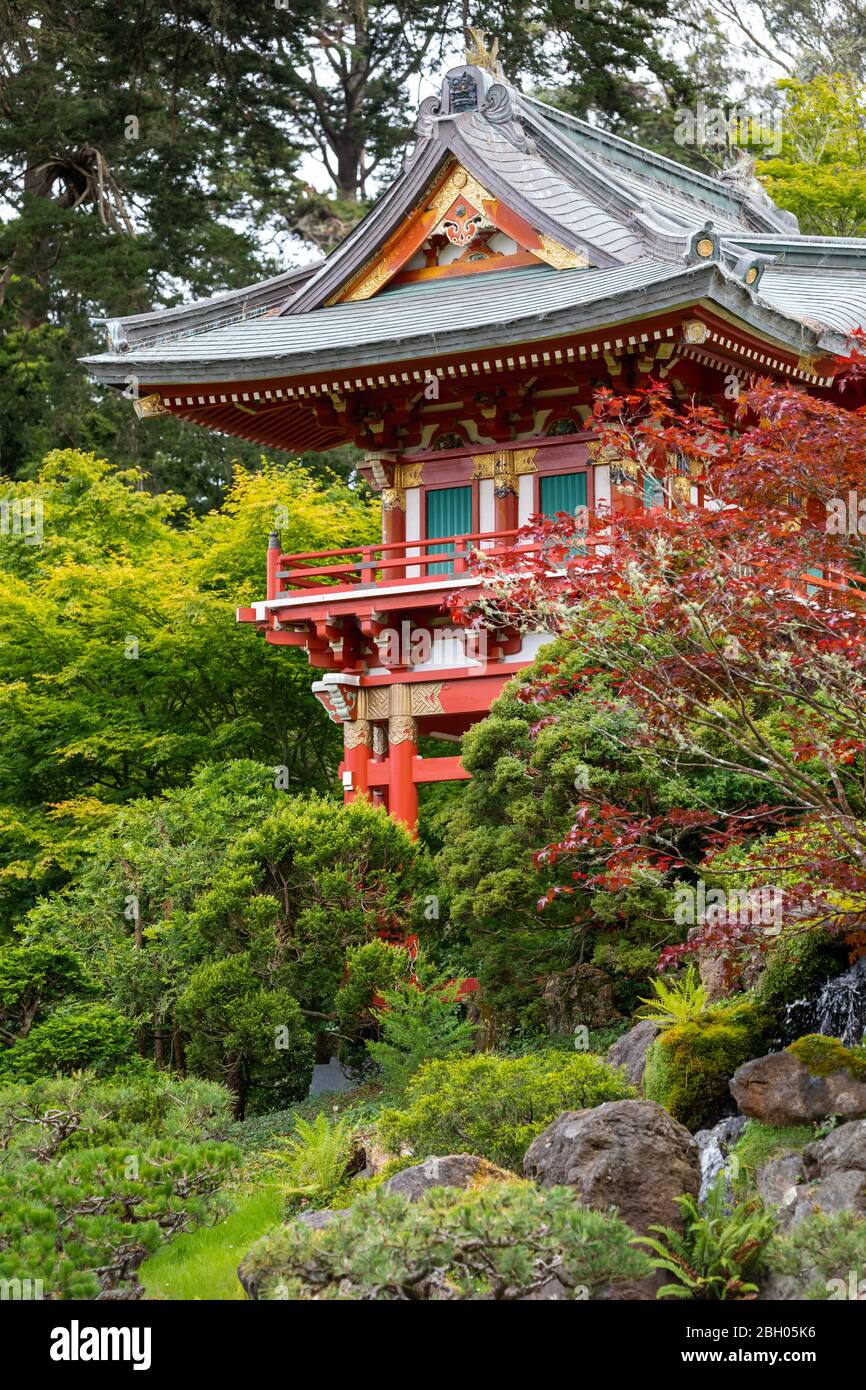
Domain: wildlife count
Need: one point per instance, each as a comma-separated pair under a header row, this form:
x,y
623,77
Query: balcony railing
x,y
390,563
394,562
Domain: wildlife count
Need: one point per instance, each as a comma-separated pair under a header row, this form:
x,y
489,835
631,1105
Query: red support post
x,y
356,759
402,752
273,583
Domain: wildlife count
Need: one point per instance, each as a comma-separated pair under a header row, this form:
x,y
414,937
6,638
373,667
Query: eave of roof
x,y
203,314
431,320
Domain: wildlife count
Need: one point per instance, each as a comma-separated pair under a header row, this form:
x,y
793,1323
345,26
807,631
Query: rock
x,y
835,1193
579,997
780,1090
629,1051
777,1180
316,1219
627,1154
828,1176
375,1158
843,1150
452,1170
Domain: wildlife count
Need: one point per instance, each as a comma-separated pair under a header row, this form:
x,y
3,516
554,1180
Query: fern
x,y
717,1250
685,1001
316,1156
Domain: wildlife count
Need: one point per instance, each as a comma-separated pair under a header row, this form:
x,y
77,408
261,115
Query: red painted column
x,y
394,528
402,750
356,757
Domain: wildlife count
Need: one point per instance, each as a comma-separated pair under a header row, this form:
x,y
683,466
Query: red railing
x,y
393,561
386,563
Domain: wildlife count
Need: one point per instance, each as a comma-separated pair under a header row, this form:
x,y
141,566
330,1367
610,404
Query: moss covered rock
x,y
689,1066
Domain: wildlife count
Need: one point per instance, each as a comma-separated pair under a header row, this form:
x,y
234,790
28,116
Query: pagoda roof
x,y
624,232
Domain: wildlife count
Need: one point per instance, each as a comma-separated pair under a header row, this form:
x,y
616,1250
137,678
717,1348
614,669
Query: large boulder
x,y
627,1154
843,1150
579,997
452,1170
779,1089
828,1176
629,1051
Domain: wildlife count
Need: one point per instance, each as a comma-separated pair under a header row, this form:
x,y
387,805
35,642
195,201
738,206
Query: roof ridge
x,y
736,195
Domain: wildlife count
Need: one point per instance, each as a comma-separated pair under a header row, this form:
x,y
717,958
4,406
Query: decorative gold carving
x,y
378,701
393,499
371,281
681,487
459,184
146,407
504,476
694,331
505,465
402,729
524,461
357,733
559,256
380,741
425,698
408,474
705,247
400,699
480,56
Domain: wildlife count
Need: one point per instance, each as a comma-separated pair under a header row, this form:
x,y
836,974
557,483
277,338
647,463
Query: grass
x,y
759,1143
203,1265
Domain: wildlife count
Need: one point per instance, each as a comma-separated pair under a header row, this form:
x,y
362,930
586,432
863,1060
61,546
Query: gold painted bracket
x,y
147,407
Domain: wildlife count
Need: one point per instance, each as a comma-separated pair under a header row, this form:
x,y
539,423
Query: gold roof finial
x,y
480,56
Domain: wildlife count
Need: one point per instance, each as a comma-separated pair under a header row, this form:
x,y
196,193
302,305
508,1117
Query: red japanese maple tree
x,y
734,618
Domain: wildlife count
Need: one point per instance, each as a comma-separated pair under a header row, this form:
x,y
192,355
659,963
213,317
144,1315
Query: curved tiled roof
x,y
633,214
825,299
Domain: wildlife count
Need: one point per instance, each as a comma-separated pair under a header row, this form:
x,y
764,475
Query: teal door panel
x,y
449,513
563,492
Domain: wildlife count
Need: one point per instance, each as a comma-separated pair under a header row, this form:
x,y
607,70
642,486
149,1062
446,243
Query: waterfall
x,y
715,1145
838,1009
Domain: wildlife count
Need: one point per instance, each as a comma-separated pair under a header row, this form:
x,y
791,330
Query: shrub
x,y
33,977
816,1259
529,775
796,962
822,1055
717,1250
251,1037
689,1064
496,1106
97,1173
306,884
92,1036
420,1023
498,1241
370,969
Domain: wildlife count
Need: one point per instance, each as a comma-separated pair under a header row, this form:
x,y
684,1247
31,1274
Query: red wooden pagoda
x,y
519,261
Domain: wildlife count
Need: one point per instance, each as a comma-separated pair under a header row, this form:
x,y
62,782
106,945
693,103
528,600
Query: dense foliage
x,y
495,1106
497,1241
97,1173
134,669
